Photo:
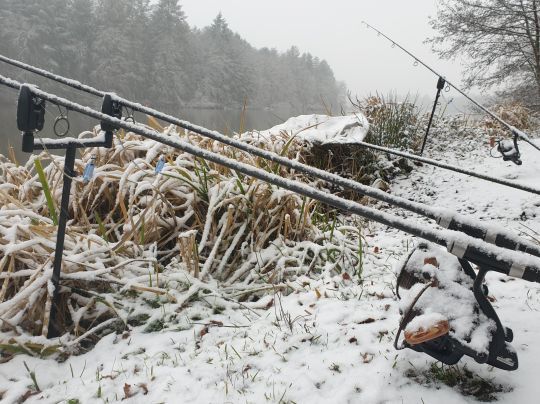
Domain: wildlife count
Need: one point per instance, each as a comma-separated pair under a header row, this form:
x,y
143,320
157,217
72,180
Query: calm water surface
x,y
225,121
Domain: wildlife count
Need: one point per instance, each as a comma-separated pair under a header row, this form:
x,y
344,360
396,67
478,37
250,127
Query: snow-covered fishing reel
x,y
446,313
509,150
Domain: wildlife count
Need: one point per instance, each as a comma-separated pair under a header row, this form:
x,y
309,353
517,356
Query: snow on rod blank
x,y
451,220
515,131
512,263
253,149
425,160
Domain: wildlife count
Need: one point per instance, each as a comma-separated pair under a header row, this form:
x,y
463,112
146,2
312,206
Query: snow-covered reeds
x,y
392,123
194,229
513,112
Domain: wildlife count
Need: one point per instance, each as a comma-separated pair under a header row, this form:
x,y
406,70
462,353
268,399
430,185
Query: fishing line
x,y
444,218
515,131
450,167
508,262
234,143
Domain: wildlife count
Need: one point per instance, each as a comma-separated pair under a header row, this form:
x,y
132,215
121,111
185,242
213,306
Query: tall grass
x,y
194,229
393,123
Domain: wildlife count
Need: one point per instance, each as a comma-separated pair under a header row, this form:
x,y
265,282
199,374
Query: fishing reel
x,y
509,150
446,313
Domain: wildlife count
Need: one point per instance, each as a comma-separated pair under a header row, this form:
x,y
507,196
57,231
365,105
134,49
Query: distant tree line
x,y
148,52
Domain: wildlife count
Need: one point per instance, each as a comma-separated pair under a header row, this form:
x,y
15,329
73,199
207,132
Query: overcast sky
x,y
332,30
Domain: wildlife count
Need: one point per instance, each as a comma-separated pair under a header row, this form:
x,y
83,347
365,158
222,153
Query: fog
x,y
333,31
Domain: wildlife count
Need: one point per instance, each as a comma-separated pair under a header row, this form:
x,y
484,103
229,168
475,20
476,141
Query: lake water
x,y
225,121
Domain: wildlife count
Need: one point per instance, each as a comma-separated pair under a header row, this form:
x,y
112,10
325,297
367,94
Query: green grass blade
x,y
102,228
46,191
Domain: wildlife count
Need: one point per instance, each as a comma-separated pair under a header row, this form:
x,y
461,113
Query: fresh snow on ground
x,y
331,340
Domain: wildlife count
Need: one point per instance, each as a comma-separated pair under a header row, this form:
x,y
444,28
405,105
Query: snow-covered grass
x,y
324,337
192,231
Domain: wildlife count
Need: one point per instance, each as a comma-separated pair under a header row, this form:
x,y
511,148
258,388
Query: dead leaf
x,y
269,304
367,357
144,387
127,391
318,293
431,261
27,395
346,276
204,331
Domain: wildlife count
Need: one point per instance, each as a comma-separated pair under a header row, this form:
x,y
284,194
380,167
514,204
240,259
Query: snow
x,y
330,340
424,322
333,132
324,129
451,300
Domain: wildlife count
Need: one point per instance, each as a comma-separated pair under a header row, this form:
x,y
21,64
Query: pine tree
x,y
81,27
170,42
112,47
145,50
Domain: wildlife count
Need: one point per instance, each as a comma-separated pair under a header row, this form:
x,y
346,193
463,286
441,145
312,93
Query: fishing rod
x,y
451,220
515,131
445,166
512,263
500,354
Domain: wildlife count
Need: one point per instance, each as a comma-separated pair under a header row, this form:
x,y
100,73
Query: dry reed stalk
x,y
189,252
196,220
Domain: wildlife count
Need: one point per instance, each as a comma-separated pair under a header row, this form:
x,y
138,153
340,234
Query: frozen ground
x,y
330,341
